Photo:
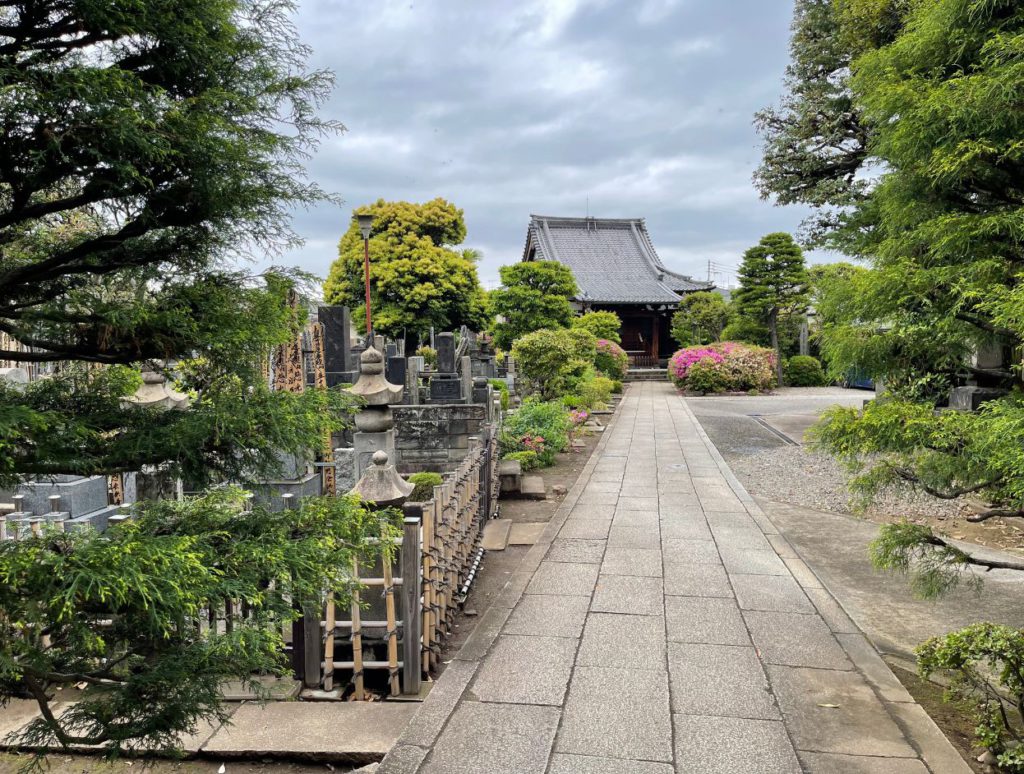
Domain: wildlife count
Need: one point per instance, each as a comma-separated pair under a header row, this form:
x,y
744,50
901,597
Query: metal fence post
x,y
412,608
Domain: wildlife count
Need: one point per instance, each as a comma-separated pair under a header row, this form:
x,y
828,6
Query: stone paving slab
x,y
617,713
548,615
628,594
690,551
576,551
773,593
525,670
793,639
719,680
494,739
644,562
588,764
563,578
625,641
586,529
705,620
836,712
696,580
352,732
826,763
714,745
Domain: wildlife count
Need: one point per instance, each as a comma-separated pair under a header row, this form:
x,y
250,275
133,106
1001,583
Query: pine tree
x,y
773,285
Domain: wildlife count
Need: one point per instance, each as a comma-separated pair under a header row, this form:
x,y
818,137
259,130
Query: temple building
x,y
618,270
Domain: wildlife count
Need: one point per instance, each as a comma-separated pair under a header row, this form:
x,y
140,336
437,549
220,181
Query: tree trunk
x,y
773,327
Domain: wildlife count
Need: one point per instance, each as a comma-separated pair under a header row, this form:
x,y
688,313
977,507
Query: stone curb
x,y
412,747
937,752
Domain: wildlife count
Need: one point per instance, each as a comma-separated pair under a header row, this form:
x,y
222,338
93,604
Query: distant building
x,y
618,270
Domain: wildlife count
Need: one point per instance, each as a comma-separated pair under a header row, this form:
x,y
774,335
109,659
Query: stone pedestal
x,y
971,398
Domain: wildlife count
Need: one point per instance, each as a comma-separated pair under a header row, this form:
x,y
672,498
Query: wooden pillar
x,y
412,600
656,335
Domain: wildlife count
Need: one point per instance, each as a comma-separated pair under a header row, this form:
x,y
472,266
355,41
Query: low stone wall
x,y
435,437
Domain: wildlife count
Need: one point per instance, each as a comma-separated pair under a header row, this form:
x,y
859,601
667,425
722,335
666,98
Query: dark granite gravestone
x,y
446,353
445,388
338,360
395,368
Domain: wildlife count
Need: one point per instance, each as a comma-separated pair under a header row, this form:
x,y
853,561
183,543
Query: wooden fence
x,y
398,622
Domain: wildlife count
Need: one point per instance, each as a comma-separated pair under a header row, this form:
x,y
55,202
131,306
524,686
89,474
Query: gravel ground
x,y
792,474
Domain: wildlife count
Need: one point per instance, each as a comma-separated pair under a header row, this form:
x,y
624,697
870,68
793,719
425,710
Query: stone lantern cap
x,y
381,483
156,391
372,386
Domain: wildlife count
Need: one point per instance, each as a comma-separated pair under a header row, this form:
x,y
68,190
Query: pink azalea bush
x,y
726,366
611,359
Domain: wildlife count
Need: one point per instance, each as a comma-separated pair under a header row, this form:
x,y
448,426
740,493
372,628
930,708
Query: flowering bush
x,y
611,359
542,428
725,366
579,417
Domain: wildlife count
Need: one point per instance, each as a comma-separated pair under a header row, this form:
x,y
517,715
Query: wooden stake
x,y
389,607
357,636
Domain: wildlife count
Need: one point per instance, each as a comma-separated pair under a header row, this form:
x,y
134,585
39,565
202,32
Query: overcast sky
x,y
532,106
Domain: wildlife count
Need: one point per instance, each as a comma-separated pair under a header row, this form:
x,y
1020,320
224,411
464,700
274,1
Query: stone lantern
x,y
374,422
381,484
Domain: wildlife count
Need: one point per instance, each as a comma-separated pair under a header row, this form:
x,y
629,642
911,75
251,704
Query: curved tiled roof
x,y
613,260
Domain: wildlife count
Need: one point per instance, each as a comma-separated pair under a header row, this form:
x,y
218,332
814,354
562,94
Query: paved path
x,y
662,625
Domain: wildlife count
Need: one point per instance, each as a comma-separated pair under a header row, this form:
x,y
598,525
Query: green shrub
x,y
502,387
611,359
527,459
425,483
984,663
429,355
604,325
595,392
804,371
539,427
707,376
552,362
617,387
573,401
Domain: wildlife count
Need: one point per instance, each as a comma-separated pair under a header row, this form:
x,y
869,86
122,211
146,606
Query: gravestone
x,y
395,368
445,386
481,389
338,359
414,367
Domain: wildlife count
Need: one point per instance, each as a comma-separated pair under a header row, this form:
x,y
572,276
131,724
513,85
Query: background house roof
x,y
613,259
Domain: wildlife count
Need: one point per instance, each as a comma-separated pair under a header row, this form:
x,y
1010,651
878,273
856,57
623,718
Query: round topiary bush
x,y
425,483
737,367
804,371
611,359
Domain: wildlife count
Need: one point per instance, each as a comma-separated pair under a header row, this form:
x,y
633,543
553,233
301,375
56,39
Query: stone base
x,y
971,398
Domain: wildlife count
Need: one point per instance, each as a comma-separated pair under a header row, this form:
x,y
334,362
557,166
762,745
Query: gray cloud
x,y
508,108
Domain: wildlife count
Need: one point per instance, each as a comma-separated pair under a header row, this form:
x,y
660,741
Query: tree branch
x,y
988,564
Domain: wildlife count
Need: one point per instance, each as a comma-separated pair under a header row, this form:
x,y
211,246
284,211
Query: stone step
x,y
533,488
510,473
496,533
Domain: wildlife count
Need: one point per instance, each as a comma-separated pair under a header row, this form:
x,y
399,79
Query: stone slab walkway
x,y
661,624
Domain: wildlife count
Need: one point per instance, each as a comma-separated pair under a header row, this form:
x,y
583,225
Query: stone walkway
x,y
663,625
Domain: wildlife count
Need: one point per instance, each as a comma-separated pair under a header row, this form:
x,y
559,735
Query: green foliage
x,y
138,177
700,319
79,422
528,460
552,362
121,611
534,295
617,387
946,453
425,483
611,359
429,355
707,376
502,387
804,371
773,287
985,664
418,279
594,391
933,567
549,422
604,325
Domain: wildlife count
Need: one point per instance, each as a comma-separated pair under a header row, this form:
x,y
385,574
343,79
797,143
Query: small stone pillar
x,y
374,423
414,367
